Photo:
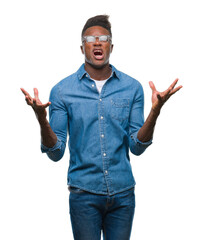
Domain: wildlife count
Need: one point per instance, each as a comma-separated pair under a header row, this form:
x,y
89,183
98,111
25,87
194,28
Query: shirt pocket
x,y
120,108
75,190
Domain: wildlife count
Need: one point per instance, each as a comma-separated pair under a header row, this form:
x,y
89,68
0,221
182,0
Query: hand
x,y
159,98
35,103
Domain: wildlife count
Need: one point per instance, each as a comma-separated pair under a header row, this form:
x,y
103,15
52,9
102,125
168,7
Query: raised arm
x,y
48,137
158,99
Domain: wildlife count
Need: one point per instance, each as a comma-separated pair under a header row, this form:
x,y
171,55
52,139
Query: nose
x,y
97,42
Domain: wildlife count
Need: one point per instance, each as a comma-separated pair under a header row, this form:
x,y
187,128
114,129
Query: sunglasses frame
x,y
95,37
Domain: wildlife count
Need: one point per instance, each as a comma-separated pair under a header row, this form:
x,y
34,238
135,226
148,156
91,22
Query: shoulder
x,y
69,82
128,80
65,84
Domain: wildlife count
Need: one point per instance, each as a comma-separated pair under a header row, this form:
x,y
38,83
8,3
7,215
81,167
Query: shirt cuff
x,y
45,149
138,142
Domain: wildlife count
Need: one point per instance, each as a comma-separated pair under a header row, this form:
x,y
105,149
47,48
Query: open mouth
x,y
98,53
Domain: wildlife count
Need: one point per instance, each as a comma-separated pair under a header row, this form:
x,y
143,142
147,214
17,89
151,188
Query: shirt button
x,y
92,85
100,99
102,135
102,117
86,75
106,172
104,154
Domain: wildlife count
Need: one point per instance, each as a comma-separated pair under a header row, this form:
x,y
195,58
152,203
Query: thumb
x,y
47,104
151,84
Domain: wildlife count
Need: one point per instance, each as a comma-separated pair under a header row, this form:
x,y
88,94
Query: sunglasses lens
x,y
90,39
103,38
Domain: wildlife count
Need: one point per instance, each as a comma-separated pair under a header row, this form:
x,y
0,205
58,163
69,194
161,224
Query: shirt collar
x,y
81,71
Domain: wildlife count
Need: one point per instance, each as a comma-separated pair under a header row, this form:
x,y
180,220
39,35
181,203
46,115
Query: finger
x,y
34,102
25,92
28,100
168,91
36,93
174,83
152,86
175,90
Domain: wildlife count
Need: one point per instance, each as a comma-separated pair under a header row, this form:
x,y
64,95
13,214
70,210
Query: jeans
x,y
92,213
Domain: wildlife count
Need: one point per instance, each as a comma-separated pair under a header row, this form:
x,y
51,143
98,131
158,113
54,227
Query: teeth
x,y
99,51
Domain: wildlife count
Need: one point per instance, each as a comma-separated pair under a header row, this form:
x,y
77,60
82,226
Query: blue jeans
x,y
91,213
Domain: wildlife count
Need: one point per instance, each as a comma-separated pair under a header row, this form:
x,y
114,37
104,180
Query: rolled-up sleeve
x,y
136,121
58,119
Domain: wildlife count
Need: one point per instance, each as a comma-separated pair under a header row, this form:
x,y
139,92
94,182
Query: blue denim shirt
x,y
102,128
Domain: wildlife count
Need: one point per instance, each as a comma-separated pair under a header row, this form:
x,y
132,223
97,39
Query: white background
x,y
153,41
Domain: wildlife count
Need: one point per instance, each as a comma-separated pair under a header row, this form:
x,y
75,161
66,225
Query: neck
x,y
98,73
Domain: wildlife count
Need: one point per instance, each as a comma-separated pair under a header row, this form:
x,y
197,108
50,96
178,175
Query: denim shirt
x,y
102,127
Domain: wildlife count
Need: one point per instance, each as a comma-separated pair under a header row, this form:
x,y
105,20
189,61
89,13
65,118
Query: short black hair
x,y
99,20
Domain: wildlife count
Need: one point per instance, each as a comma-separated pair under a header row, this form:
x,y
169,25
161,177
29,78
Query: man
x,y
102,110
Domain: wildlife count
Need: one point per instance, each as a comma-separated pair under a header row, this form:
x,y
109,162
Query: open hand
x,y
35,103
159,98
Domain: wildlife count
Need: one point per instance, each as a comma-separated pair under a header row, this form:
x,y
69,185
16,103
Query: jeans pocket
x,y
120,109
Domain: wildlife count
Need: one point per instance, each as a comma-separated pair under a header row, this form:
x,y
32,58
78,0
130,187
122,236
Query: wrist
x,y
40,115
42,119
155,111
156,108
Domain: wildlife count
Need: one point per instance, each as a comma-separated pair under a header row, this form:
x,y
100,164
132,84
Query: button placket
x,y
91,83
102,140
103,150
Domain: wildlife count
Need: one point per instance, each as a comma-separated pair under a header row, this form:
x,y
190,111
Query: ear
x,y
111,48
82,49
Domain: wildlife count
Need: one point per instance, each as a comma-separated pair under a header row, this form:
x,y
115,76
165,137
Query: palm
x,y
159,98
35,103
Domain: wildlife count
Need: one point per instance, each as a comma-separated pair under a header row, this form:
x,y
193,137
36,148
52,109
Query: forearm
x,y
145,133
50,144
48,137
158,99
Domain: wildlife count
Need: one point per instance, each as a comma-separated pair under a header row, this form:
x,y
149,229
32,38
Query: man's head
x,y
96,41
99,20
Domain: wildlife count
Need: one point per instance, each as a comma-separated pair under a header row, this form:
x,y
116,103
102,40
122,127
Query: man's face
x,y
97,53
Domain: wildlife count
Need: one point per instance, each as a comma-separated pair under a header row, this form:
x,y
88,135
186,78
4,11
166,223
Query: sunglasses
x,y
92,39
